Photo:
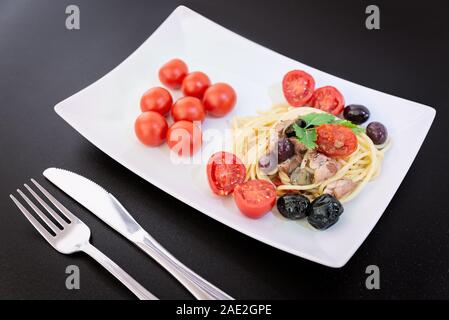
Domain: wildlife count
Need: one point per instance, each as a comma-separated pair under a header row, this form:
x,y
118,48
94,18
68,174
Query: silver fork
x,y
73,237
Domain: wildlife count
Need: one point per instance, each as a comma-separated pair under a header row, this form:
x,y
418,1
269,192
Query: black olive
x,y
356,113
293,206
377,132
290,132
286,150
324,211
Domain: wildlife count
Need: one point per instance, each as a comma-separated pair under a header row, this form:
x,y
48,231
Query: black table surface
x,y
41,63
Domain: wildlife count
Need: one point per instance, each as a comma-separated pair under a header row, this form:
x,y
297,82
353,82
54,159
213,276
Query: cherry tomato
x,y
255,198
172,73
156,99
219,99
188,108
151,128
195,84
298,87
224,172
335,140
184,138
328,99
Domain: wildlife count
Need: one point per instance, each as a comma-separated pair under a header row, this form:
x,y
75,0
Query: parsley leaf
x,y
346,123
317,119
306,136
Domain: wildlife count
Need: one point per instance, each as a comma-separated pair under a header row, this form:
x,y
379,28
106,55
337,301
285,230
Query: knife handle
x,y
198,287
119,273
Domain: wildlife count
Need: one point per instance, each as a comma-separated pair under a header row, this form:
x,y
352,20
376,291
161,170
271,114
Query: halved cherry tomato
x,y
172,73
335,140
188,108
328,99
219,99
224,172
156,99
195,84
184,138
151,128
255,198
298,87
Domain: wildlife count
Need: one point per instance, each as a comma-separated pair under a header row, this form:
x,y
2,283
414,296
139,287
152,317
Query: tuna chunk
x,y
340,188
289,165
326,171
317,159
324,166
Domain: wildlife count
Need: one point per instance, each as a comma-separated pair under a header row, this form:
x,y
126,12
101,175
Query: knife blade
x,y
96,199
106,207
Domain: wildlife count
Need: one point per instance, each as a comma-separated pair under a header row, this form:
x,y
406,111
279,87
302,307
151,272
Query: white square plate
x,y
104,113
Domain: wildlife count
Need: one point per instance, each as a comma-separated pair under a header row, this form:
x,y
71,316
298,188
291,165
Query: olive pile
x,y
321,213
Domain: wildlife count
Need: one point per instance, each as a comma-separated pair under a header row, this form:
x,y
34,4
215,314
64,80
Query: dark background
x,y
42,63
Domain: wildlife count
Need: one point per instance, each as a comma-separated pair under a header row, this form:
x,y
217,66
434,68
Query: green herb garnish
x,y
317,119
346,123
307,135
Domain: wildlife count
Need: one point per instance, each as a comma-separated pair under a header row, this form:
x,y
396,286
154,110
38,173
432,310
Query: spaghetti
x,y
253,137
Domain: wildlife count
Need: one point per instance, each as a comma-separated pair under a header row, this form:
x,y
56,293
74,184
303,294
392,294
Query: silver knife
x,y
106,207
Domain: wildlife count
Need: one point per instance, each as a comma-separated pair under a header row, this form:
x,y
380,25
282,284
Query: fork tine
x,y
41,215
33,220
57,204
47,207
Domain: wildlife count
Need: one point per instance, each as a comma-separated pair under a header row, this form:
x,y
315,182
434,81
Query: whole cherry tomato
x,y
156,99
219,99
195,84
151,128
184,138
188,108
172,73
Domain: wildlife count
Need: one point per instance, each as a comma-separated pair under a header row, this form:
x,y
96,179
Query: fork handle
x,y
198,287
119,273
